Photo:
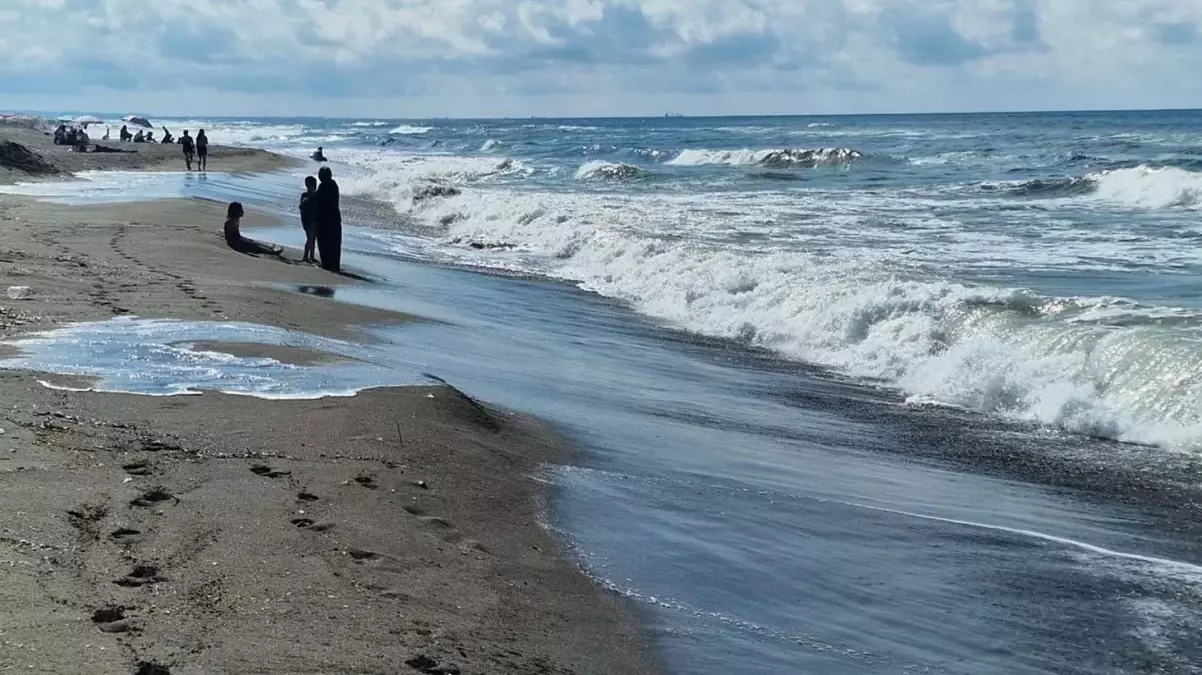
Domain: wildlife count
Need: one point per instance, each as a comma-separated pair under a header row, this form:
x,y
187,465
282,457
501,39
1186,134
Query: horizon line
x,y
666,115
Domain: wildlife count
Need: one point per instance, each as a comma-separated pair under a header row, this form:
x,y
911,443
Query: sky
x,y
484,58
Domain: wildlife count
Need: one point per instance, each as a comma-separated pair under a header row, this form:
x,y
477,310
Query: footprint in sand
x,y
361,555
125,535
303,522
152,497
307,497
151,668
268,472
137,468
111,620
142,575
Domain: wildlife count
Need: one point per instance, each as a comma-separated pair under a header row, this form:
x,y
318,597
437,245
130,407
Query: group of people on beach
x,y
321,218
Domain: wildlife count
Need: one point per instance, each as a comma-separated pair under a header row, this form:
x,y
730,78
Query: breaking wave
x,y
408,130
780,159
1106,367
610,171
1142,186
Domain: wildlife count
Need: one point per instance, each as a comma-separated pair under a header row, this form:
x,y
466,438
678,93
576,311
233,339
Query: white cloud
x,y
599,56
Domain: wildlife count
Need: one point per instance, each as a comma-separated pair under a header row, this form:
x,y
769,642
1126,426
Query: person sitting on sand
x,y
233,234
60,135
139,137
319,156
189,147
107,131
150,137
82,140
202,151
308,216
167,137
125,135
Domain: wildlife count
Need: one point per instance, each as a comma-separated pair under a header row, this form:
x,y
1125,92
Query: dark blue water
x,y
770,497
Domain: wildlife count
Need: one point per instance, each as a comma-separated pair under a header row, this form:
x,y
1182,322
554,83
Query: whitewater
x,y
1041,267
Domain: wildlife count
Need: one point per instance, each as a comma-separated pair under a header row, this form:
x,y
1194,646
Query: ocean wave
x,y
1150,187
408,130
1143,186
370,124
781,158
404,180
1105,367
610,171
491,145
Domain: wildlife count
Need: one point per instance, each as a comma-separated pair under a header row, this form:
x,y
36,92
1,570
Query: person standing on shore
x,y
329,221
308,216
202,150
189,147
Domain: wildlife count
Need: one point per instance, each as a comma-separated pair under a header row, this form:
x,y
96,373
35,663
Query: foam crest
x,y
1101,366
599,170
1149,187
397,178
783,158
410,130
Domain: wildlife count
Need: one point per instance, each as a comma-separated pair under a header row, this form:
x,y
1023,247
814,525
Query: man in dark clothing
x,y
189,148
329,221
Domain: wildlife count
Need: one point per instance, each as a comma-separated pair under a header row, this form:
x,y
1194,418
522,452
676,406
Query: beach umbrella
x,y
137,120
85,120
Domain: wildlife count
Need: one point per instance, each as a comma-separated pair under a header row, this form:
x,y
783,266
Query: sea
x,y
853,394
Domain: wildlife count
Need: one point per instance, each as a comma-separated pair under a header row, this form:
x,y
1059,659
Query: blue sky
x,y
417,58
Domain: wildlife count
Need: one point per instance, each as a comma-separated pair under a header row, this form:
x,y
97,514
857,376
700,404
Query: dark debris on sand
x,y
15,156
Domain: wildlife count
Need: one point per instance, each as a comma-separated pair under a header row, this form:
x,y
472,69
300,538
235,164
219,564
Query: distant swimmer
x,y
188,145
319,156
233,234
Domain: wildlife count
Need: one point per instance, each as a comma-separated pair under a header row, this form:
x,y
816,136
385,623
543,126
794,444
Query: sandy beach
x,y
394,531
58,162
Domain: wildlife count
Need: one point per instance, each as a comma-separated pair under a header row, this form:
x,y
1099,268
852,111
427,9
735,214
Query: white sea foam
x,y
777,157
1099,366
154,357
491,145
410,130
1149,187
395,177
598,170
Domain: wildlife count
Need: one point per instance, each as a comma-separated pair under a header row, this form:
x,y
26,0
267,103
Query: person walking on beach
x,y
308,216
202,150
329,221
234,238
189,147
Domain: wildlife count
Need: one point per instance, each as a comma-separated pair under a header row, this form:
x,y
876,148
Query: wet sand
x,y
60,162
395,531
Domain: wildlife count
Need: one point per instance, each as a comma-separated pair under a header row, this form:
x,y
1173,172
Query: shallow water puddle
x,y
164,357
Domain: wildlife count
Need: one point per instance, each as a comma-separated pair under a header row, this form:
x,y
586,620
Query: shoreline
x,y
147,531
28,155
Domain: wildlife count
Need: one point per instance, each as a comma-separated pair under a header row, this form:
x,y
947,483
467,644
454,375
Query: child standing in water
x,y
308,216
